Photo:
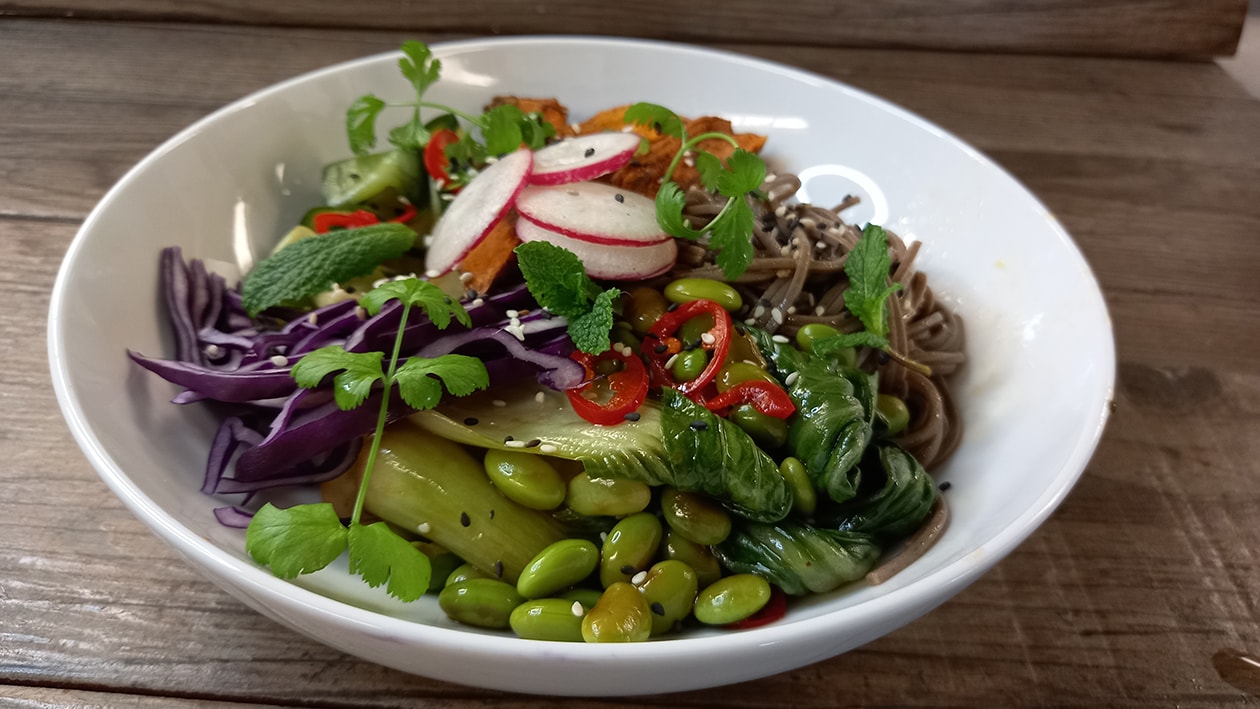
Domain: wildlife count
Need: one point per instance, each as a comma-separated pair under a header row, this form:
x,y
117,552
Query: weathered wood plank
x,y
1104,27
54,698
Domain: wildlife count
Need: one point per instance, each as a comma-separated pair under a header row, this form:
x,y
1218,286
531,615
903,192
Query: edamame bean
x,y
442,565
670,589
804,497
698,556
738,373
525,478
485,603
621,615
644,306
685,290
629,548
463,572
689,364
694,516
768,431
588,597
690,332
614,497
548,619
811,333
623,332
557,567
731,599
893,412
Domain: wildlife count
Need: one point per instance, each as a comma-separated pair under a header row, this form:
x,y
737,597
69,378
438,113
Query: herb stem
x,y
381,418
475,120
689,143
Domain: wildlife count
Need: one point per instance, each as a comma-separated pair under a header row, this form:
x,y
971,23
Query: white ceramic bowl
x,y
1034,397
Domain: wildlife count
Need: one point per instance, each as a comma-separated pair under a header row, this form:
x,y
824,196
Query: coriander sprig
x,y
730,232
306,538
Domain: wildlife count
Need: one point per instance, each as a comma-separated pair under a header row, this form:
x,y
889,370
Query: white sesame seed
x,y
514,314
577,609
777,316
759,311
670,362
424,527
603,536
213,350
478,302
782,340
490,160
707,338
575,127
820,245
360,312
312,319
515,444
499,403
280,360
791,310
771,177
785,250
791,378
780,211
432,273
465,277
808,223
638,578
546,448
540,397
820,310
447,196
750,321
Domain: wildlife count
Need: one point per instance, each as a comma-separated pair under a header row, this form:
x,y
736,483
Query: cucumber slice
x,y
359,179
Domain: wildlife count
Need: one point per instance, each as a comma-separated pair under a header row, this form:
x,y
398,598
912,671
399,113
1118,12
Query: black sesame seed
x,y
657,608
470,294
491,514
507,438
661,349
632,416
590,152
353,175
533,443
498,568
464,519
471,421
672,307
699,425
884,358
619,197
629,570
446,299
944,486
740,330
349,289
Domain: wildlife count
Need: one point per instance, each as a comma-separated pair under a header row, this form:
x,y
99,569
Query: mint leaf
x,y
867,267
361,123
556,278
589,331
418,377
732,237
380,556
710,169
313,265
827,345
658,118
414,292
670,202
296,540
744,173
358,372
419,66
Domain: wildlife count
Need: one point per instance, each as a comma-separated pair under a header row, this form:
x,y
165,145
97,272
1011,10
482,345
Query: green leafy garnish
x,y
306,538
314,264
730,232
558,281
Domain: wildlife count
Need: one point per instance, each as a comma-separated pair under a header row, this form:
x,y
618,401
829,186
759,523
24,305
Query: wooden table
x,y
1142,590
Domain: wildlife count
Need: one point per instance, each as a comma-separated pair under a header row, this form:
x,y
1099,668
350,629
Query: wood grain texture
x,y
1102,27
1122,598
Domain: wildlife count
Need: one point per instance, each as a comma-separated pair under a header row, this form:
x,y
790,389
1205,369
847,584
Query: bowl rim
x,y
907,601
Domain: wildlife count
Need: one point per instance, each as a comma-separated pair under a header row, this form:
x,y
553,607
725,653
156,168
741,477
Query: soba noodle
x,y
797,277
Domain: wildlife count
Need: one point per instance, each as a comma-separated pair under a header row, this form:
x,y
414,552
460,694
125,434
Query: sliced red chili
x,y
325,222
435,161
628,388
774,609
767,398
716,339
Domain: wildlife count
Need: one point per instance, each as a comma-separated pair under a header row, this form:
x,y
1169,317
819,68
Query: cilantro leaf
x,y
296,540
361,123
505,127
864,338
658,118
312,265
670,202
357,373
867,267
419,66
589,331
412,134
418,377
732,237
744,173
710,169
535,131
379,556
414,292
556,278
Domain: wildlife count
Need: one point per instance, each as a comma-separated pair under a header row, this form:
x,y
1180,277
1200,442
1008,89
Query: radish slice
x,y
614,263
593,212
583,158
474,212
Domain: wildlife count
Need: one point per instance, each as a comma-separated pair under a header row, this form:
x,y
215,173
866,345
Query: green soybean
x,y
691,331
466,571
614,497
731,599
547,619
695,516
443,565
621,615
740,372
629,548
643,307
893,412
670,589
588,597
698,556
485,603
624,333
685,290
689,364
804,497
811,333
557,567
769,432
525,478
